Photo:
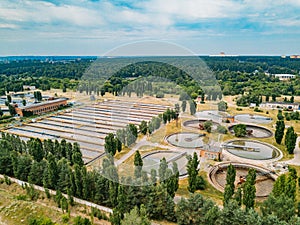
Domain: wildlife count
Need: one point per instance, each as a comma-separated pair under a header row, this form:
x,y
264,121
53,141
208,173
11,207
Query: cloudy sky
x,y
93,27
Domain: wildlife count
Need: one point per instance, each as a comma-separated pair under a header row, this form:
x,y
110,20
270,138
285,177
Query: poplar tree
x,y
118,144
143,127
110,144
172,180
192,170
249,189
162,170
229,187
63,148
279,133
238,197
290,140
131,134
78,180
77,155
138,164
279,186
183,106
192,107
153,176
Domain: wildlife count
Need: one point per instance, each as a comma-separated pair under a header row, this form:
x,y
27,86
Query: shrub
x,y
81,221
160,95
222,129
47,192
7,180
31,192
257,110
97,213
43,221
65,218
21,197
222,106
208,126
240,130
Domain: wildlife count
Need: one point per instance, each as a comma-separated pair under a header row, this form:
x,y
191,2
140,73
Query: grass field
x,y
14,211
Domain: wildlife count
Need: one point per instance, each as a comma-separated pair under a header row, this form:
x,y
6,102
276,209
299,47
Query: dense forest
x,y
235,75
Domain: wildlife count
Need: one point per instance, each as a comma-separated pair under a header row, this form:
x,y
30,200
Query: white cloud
x,y
8,26
194,9
151,19
39,12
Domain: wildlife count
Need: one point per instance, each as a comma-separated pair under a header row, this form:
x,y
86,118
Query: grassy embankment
x,y
16,208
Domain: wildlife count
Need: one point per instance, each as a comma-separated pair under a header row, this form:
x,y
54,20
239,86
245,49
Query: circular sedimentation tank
x,y
254,150
152,160
197,124
264,177
211,114
254,131
250,118
186,140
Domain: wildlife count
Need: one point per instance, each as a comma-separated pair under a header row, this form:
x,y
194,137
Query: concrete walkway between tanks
x,y
142,142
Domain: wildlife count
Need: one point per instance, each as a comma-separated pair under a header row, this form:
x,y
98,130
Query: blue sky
x,y
93,27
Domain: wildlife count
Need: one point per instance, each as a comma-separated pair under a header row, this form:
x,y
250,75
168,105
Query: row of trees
x,y
290,136
103,188
112,144
246,100
38,96
128,135
170,114
192,103
292,116
245,193
23,160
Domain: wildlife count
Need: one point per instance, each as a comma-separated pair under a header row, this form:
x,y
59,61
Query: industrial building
x,y
39,108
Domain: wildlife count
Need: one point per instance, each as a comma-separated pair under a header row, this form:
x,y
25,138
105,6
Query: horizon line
x,y
112,56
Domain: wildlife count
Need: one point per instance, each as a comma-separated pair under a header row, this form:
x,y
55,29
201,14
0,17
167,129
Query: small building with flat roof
x,y
29,87
284,76
211,152
280,105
